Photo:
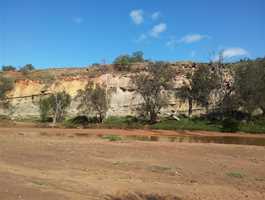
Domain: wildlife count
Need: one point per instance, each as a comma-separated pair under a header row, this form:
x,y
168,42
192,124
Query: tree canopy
x,y
55,105
125,60
8,68
150,85
93,100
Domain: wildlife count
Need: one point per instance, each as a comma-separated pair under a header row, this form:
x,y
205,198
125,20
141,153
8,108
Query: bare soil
x,y
62,164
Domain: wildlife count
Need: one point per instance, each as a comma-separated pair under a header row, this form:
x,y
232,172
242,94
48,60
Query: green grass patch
x,y
157,168
187,124
112,138
235,174
252,127
39,183
122,122
206,125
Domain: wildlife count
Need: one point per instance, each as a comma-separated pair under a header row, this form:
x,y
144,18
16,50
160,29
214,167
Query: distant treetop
x,y
126,59
8,68
27,67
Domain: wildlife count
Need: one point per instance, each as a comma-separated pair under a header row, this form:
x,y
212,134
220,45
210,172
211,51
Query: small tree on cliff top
x,y
8,68
150,85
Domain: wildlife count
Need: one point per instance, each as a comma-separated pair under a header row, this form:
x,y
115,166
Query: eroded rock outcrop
x,y
123,99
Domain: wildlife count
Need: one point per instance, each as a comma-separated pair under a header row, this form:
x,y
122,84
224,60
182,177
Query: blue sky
x,y
63,33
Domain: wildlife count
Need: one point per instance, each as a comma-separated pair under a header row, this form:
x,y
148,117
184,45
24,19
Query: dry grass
x,y
140,196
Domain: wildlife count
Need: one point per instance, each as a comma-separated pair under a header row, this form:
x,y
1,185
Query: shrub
x,y
80,120
112,138
123,122
93,100
122,62
140,196
27,68
230,125
235,174
6,84
150,85
218,116
55,105
69,124
44,108
186,124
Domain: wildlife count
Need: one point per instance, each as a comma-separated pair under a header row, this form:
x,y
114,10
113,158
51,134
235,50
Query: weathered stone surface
x,y
123,99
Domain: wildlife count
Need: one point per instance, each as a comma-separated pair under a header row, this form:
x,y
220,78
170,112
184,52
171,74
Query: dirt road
x,y
57,164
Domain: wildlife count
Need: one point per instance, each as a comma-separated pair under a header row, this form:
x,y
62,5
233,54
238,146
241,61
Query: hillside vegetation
x,y
231,94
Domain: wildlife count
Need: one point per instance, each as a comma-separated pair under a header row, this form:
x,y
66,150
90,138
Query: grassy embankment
x,y
253,126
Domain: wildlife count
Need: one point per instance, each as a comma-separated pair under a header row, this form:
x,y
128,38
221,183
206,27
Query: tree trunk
x,y
55,116
153,117
54,120
190,106
100,117
207,108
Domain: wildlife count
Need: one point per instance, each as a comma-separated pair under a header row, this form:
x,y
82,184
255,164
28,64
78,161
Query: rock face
x,y
123,100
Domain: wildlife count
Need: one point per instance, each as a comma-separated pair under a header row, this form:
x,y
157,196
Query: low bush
x,y
112,138
252,127
69,124
230,125
187,124
219,116
140,196
196,123
235,174
122,122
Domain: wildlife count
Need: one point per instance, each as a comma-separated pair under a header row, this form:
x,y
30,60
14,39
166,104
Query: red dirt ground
x,y
55,164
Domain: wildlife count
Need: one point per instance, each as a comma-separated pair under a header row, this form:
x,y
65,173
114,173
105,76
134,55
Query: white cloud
x,y
158,29
192,38
141,38
233,52
137,16
78,20
155,15
187,39
172,43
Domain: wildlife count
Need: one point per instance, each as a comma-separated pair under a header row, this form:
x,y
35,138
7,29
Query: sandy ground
x,y
59,164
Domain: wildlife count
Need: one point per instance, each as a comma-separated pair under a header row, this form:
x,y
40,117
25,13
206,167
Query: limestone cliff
x,y
123,99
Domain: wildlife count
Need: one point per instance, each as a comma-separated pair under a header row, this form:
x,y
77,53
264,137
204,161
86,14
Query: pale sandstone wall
x,y
123,99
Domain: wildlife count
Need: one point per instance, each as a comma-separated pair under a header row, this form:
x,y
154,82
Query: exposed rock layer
x,y
123,99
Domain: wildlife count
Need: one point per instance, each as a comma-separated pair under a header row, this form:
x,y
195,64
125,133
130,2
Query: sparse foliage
x,y
56,105
122,62
249,85
204,81
140,196
6,84
200,87
137,56
27,68
151,86
93,100
8,68
185,93
44,109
